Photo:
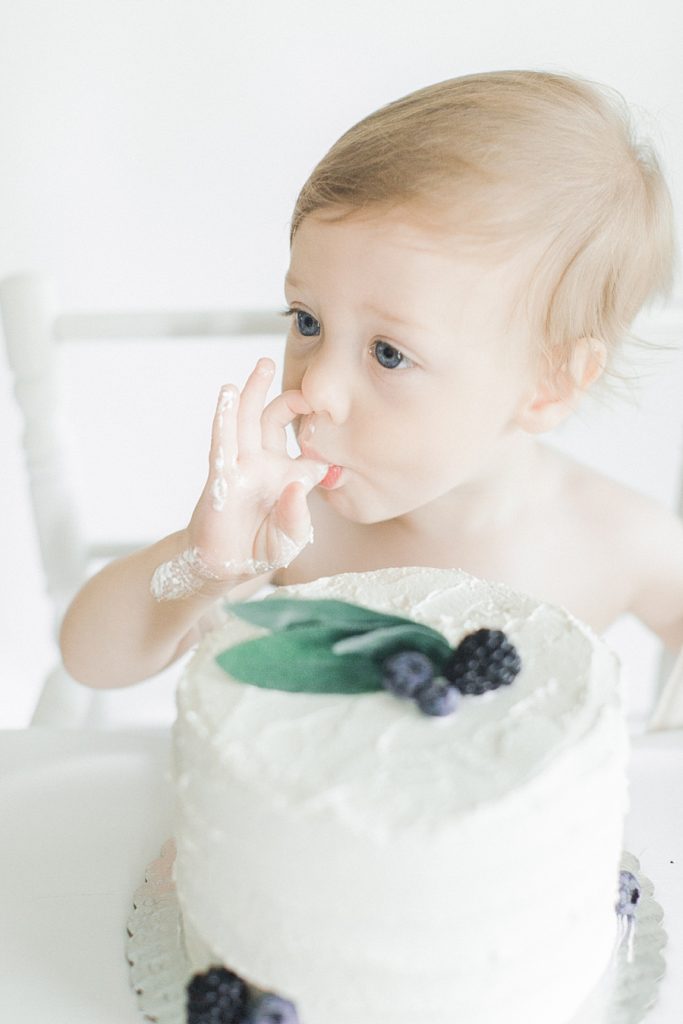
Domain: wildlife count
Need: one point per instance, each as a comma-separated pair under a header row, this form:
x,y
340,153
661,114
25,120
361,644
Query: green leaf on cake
x,y
323,646
381,643
279,613
301,661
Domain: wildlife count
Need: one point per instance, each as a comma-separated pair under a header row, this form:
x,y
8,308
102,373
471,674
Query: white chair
x,y
33,327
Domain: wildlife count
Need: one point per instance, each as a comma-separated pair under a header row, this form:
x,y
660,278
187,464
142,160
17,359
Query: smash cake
x,y
374,845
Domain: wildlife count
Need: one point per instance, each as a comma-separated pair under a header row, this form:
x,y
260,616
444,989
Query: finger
x,y
292,518
251,404
277,415
309,472
223,450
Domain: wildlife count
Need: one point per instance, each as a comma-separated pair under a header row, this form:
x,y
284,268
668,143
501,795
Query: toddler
x,y
464,264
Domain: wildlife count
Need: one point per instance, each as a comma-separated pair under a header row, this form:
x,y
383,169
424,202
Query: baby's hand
x,y
252,516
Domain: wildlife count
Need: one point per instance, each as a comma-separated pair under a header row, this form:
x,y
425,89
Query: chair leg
x,y
668,712
63,703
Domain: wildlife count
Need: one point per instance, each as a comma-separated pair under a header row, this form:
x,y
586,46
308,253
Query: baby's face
x,y
401,346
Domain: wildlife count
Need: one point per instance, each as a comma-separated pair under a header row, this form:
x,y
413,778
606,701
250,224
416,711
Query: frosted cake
x,y
371,863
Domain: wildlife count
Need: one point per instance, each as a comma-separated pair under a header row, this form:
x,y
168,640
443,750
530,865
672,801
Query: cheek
x,y
447,433
407,439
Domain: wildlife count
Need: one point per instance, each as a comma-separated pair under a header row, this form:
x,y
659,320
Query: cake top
x,y
332,646
367,750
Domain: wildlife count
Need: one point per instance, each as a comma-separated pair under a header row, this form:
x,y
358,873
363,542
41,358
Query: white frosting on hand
x,y
180,576
186,573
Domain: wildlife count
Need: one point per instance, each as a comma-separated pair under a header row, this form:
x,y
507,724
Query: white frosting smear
x,y
180,577
219,484
186,573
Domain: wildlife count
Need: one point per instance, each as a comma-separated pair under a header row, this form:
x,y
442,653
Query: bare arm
x,y
115,633
140,613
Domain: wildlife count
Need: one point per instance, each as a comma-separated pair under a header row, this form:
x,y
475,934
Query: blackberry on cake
x,y
483,661
629,894
217,997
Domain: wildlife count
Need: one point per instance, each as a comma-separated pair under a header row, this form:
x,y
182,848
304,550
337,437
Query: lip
x,y
334,476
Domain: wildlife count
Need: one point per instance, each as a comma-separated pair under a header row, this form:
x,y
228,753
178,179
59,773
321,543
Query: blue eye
x,y
388,356
306,324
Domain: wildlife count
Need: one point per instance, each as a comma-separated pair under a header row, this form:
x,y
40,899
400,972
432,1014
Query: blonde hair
x,y
510,156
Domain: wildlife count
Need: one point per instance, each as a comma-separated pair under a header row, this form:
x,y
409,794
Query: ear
x,y
557,394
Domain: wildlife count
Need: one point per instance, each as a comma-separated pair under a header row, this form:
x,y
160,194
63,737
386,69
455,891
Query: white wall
x,y
151,154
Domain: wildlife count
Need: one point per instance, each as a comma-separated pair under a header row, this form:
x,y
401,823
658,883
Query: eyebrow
x,y
392,317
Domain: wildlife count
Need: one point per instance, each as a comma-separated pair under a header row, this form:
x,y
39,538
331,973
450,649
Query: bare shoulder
x,y
642,536
614,504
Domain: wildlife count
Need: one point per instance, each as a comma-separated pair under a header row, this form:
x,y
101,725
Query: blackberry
x,y
406,672
438,697
216,997
483,661
272,1009
629,894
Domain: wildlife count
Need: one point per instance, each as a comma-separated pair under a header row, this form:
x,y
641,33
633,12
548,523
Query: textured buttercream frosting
x,y
375,864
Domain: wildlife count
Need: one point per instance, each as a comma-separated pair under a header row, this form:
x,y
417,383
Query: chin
x,y
357,511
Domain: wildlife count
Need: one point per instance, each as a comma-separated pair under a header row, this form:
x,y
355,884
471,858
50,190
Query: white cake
x,y
377,865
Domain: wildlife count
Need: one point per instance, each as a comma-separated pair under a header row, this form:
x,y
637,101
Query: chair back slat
x,y
28,305
174,324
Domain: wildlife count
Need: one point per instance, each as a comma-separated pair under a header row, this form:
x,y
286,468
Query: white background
x,y
151,153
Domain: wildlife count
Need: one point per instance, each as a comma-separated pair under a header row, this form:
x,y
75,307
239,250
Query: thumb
x,y
309,472
292,519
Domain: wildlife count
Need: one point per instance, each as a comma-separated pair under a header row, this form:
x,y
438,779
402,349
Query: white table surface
x,y
82,813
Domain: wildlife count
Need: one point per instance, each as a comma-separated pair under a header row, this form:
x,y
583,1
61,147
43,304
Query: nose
x,y
326,385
